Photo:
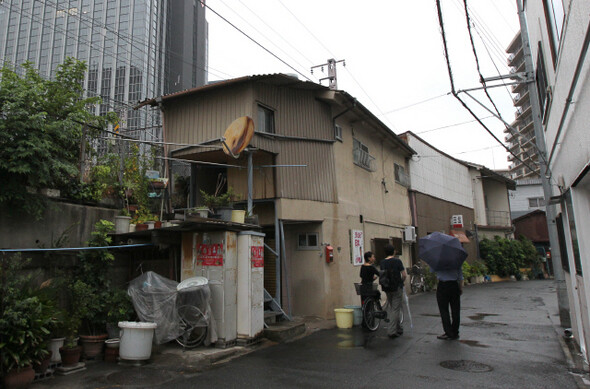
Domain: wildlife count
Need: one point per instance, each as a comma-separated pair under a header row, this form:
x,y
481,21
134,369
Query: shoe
x,y
454,337
444,337
400,332
392,336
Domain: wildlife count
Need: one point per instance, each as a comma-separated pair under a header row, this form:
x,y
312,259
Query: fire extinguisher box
x,y
214,255
250,285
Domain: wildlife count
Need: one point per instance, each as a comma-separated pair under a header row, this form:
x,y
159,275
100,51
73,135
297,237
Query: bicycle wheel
x,y
369,309
193,325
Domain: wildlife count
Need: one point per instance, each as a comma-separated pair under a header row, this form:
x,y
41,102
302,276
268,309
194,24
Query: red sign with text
x,y
257,256
210,254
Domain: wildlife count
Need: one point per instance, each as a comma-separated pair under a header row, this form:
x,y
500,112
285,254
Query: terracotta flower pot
x,y
19,378
92,345
70,356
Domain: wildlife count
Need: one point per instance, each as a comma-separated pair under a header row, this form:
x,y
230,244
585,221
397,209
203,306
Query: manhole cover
x,y
139,377
468,366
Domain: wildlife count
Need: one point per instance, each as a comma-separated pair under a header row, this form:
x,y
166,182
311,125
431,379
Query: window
x,y
308,241
266,120
400,175
542,84
554,16
361,156
338,132
536,202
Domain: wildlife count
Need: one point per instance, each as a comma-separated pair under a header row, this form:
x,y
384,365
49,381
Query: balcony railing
x,y
364,159
498,218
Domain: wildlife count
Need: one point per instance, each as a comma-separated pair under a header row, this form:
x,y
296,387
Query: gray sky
x,y
395,64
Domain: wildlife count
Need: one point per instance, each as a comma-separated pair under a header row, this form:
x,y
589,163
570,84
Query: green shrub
x,y
506,257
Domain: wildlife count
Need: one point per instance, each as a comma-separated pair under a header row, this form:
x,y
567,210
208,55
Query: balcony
x,y
364,159
498,218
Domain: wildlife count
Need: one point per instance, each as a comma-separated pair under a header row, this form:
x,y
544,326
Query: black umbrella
x,y
441,251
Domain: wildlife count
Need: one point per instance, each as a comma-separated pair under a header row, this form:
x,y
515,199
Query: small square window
x,y
266,120
308,241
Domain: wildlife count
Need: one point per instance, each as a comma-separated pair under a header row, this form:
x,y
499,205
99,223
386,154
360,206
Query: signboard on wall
x,y
210,254
357,240
257,256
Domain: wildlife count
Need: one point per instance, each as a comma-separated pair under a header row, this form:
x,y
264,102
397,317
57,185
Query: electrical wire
x,y
452,125
256,42
454,92
482,80
417,103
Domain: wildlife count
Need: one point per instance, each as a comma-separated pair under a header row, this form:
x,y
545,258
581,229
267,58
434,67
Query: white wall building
x,y
559,35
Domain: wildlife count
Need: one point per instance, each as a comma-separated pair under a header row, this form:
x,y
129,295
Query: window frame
x,y
264,109
307,246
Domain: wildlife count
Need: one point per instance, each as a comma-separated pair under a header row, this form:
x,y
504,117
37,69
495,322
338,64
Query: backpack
x,y
390,280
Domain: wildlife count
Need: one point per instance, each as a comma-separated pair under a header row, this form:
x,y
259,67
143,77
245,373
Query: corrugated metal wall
x,y
205,116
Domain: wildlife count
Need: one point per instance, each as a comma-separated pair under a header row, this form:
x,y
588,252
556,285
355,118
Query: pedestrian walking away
x,y
445,256
392,277
448,294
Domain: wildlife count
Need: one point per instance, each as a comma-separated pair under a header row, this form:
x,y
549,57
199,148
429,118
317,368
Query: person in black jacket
x,y
394,295
368,274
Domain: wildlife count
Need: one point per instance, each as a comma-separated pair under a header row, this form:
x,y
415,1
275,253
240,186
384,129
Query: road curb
x,y
577,367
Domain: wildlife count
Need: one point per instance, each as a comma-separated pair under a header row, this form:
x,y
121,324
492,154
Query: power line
x,y
446,54
417,103
256,42
452,125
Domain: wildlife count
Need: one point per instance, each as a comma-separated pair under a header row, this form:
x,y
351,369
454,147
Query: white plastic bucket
x,y
136,340
344,317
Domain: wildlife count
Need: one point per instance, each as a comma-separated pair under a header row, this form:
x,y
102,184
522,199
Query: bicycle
x,y
193,322
372,311
417,280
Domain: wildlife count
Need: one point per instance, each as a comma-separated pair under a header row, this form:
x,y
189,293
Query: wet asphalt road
x,y
509,339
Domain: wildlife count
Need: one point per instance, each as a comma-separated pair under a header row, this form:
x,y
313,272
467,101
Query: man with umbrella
x,y
445,256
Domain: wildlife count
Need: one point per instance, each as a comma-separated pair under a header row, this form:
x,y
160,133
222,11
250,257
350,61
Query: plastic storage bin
x,y
357,314
136,340
344,317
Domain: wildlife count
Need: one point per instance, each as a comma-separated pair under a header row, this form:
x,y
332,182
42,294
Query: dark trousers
x,y
448,294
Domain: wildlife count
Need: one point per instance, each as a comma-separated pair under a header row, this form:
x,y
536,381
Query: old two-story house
x,y
326,174
456,197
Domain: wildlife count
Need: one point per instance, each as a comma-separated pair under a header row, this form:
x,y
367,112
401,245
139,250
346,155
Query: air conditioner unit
x,y
409,234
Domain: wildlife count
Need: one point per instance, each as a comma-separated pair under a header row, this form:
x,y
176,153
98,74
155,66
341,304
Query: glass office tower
x,y
134,49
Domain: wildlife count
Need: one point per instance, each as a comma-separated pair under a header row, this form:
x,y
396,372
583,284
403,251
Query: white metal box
x,y
214,256
250,284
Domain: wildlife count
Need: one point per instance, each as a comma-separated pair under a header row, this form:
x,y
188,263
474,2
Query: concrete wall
x,y
77,221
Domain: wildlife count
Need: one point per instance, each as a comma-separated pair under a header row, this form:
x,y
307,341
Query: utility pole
x,y
332,78
559,276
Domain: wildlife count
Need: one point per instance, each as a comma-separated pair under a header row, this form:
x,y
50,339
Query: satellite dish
x,y
238,135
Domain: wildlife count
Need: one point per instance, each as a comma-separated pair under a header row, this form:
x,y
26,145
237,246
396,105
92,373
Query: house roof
x,y
525,214
339,97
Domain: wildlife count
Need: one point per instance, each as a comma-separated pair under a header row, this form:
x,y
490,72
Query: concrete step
x,y
284,331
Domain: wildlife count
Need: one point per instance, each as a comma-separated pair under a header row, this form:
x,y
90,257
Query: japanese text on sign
x,y
257,256
357,247
210,254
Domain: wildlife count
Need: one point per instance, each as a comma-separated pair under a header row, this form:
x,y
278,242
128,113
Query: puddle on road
x,y
481,316
473,343
356,339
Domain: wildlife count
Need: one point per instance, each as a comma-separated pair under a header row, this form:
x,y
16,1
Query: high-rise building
x,y
521,138
134,49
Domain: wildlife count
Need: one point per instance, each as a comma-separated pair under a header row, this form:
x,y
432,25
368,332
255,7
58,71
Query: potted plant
x,y
25,324
119,308
92,285
222,204
202,211
122,222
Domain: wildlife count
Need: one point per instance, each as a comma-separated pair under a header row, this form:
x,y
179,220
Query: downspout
x,y
166,153
568,100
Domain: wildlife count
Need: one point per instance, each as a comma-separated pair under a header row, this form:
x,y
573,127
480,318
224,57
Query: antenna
x,y
332,78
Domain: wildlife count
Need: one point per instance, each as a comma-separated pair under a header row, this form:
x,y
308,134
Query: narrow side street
x,y
509,338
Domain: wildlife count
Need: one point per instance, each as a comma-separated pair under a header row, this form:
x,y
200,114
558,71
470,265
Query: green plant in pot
x,y
93,283
25,322
119,308
222,204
